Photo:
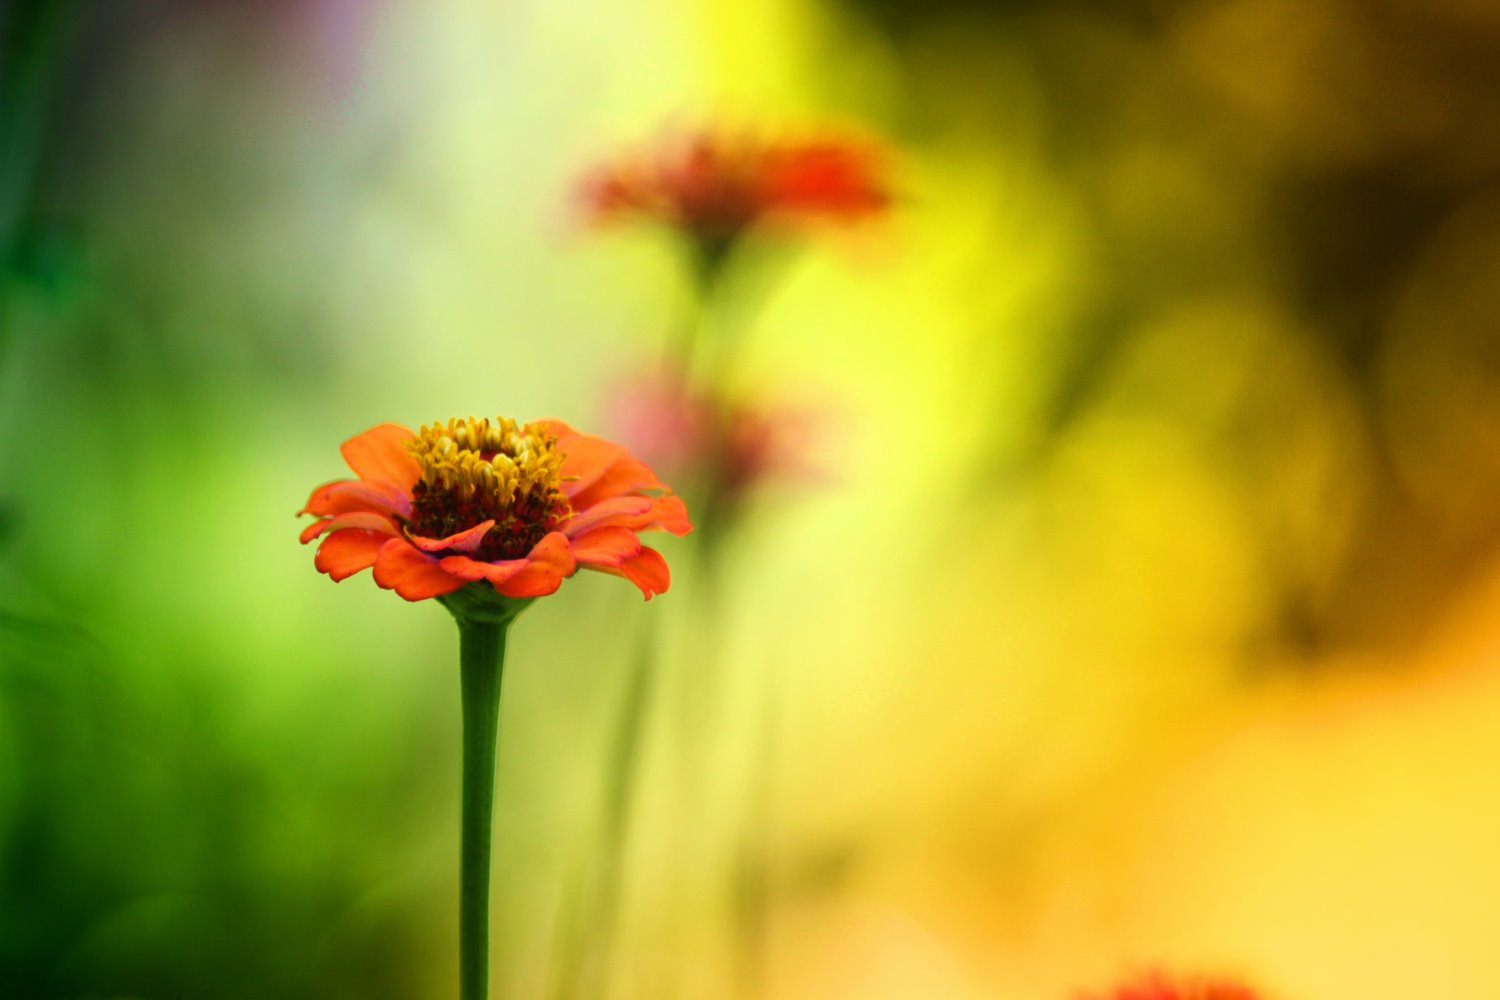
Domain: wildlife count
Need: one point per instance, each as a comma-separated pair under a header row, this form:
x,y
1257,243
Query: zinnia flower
x,y
1158,986
517,507
714,186
486,516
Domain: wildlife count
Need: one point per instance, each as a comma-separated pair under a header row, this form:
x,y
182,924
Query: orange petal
x,y
477,569
346,552
363,519
347,495
317,501
666,513
626,476
548,562
604,512
647,570
465,541
585,459
554,549
606,546
413,574
535,580
380,455
369,520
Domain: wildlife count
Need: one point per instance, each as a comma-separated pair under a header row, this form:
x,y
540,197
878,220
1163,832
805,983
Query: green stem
x,y
481,660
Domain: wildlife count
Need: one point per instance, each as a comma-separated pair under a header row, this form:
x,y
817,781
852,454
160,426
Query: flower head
x,y
1158,986
518,507
715,186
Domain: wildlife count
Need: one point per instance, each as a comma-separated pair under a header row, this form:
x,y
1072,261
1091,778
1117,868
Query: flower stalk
x,y
484,621
481,665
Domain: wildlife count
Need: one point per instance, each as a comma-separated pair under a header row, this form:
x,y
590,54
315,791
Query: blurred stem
x,y
706,262
481,663
752,863
733,279
623,778
710,254
33,41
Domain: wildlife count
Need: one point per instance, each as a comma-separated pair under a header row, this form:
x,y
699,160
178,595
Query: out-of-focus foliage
x,y
1285,209
1144,616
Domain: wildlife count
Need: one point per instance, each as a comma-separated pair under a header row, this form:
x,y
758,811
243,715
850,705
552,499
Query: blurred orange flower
x,y
1158,986
715,185
518,506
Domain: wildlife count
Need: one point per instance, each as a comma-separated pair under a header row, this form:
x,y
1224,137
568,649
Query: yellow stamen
x,y
495,463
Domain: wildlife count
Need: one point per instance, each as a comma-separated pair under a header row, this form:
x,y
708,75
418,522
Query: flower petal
x,y
667,513
557,428
603,512
647,570
585,458
545,566
413,574
606,546
548,562
346,552
363,519
318,500
626,476
380,455
554,550
536,580
477,569
345,495
466,541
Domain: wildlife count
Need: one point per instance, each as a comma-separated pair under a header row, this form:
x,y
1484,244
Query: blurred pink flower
x,y
733,445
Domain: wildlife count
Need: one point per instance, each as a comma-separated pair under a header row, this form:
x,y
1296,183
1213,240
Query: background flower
x,y
715,184
1160,986
737,442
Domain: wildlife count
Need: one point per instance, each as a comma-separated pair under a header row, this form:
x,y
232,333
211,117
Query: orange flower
x,y
520,507
1157,986
715,186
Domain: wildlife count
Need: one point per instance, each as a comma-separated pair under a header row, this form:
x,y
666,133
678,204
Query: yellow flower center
x,y
474,470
